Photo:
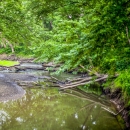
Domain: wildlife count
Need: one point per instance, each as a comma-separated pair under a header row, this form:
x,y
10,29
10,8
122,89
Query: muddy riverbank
x,y
118,101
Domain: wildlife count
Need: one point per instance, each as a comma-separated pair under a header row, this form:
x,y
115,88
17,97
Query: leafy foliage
x,y
17,26
97,34
123,81
94,34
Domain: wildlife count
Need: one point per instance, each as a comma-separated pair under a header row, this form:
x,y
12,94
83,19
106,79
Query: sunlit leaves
x,y
95,34
17,25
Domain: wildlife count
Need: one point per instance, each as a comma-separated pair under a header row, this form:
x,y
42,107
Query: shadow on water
x,y
49,109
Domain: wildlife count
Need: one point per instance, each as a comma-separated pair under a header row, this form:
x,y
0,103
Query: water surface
x,y
49,109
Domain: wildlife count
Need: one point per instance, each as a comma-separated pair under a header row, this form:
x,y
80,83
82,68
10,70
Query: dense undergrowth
x,y
94,34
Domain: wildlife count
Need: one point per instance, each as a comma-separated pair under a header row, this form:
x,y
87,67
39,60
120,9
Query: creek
x,y
47,108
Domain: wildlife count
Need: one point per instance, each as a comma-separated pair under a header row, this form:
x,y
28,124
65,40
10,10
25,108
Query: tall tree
x,y
17,25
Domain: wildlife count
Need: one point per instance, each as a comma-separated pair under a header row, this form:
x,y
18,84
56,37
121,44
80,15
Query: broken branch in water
x,y
80,81
84,83
55,78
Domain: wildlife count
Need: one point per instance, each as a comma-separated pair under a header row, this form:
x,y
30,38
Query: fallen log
x,y
74,80
83,83
51,65
80,81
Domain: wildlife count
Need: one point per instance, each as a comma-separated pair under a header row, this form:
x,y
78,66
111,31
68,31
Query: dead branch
x,y
86,95
80,81
51,65
88,98
108,111
73,80
127,33
55,78
115,114
98,75
84,83
84,98
120,111
86,106
87,117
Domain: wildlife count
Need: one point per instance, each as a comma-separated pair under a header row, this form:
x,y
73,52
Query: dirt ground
x,y
15,58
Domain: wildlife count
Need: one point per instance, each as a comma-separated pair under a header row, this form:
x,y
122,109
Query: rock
x,y
9,90
24,66
10,85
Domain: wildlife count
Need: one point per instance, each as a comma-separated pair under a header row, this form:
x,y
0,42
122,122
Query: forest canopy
x,y
92,34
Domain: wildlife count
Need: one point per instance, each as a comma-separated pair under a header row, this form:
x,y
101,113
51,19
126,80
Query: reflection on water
x,y
48,109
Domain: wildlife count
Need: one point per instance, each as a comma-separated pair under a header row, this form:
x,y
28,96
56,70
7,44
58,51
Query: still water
x,y
49,109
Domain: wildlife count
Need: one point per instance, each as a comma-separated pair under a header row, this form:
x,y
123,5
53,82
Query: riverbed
x,y
47,108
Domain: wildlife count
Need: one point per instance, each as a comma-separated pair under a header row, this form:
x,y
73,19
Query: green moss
x,y
8,63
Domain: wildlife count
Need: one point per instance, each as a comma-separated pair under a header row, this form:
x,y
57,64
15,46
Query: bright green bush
x,y
123,81
94,34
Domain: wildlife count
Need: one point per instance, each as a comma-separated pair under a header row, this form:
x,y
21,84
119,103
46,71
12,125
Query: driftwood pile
x,y
78,81
85,80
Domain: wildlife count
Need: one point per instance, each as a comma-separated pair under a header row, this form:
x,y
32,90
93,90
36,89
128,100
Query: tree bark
x,y
127,33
